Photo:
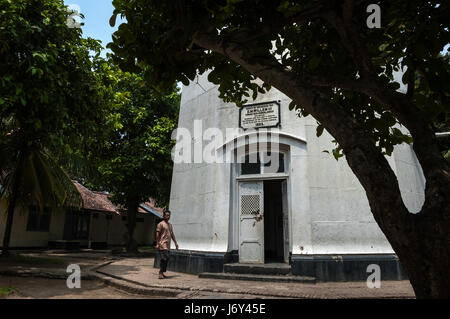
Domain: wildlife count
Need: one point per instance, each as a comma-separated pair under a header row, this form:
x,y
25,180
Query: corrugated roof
x,y
150,207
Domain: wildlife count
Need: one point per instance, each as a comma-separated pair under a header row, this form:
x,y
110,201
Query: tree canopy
x,y
134,156
324,56
62,104
50,95
296,37
48,87
50,98
129,156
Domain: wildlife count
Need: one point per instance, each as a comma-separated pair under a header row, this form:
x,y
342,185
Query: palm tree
x,y
29,175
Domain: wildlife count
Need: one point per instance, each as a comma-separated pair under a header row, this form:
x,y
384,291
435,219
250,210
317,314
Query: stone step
x,y
258,277
258,269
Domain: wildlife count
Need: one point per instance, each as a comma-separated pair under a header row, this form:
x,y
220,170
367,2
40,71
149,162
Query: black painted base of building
x,y
322,267
346,267
194,262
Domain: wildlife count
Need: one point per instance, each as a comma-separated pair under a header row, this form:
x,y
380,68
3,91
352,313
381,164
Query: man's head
x,y
166,215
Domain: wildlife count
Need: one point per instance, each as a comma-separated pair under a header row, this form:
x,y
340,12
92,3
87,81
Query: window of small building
x,y
38,220
76,224
83,226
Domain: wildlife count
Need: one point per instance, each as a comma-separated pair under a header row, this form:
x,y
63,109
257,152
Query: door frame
x,y
284,177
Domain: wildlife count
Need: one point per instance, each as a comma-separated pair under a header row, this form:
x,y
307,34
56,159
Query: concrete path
x,y
139,276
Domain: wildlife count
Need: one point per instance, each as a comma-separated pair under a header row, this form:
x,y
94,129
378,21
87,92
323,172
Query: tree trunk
x,y
12,206
9,222
132,207
426,257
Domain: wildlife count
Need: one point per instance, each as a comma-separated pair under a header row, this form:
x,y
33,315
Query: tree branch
x,y
355,85
347,31
366,161
435,168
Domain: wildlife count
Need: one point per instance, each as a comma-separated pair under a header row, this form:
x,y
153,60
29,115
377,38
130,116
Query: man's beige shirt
x,y
165,235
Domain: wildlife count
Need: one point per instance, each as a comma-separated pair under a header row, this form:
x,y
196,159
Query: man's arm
x,y
157,237
173,236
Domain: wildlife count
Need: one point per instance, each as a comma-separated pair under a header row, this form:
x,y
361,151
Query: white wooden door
x,y
251,226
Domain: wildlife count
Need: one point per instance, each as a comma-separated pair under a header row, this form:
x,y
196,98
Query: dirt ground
x,y
141,270
41,288
53,260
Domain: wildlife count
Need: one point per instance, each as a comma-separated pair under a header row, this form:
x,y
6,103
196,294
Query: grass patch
x,y
5,291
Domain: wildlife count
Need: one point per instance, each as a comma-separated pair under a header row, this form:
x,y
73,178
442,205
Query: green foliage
x,y
48,90
134,155
42,181
50,98
159,37
5,291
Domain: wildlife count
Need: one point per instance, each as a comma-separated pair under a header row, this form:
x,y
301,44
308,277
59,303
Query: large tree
x,y
133,154
50,97
323,56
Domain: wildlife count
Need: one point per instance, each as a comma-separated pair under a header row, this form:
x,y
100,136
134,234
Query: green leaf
x,y
314,62
292,105
319,130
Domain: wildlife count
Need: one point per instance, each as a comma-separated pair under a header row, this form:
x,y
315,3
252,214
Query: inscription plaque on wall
x,y
260,115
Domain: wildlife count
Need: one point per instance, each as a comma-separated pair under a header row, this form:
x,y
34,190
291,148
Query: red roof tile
x,y
95,200
99,201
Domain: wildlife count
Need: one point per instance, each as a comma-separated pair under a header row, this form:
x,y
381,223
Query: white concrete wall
x,y
20,237
329,211
341,220
113,230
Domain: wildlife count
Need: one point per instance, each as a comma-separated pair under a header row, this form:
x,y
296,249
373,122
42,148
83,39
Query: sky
x,y
96,19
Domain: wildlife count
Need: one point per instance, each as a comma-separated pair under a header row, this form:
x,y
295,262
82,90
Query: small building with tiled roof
x,y
98,224
95,201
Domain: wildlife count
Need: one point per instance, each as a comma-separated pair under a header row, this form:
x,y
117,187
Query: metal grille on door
x,y
250,204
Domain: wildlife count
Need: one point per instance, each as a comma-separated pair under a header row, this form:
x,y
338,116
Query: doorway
x,y
273,222
76,225
263,222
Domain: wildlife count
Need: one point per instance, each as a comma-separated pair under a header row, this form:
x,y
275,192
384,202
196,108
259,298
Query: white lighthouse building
x,y
271,194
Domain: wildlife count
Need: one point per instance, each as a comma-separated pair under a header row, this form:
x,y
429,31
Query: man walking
x,y
164,233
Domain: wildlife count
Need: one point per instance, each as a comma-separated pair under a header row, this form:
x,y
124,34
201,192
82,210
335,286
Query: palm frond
x,y
43,182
